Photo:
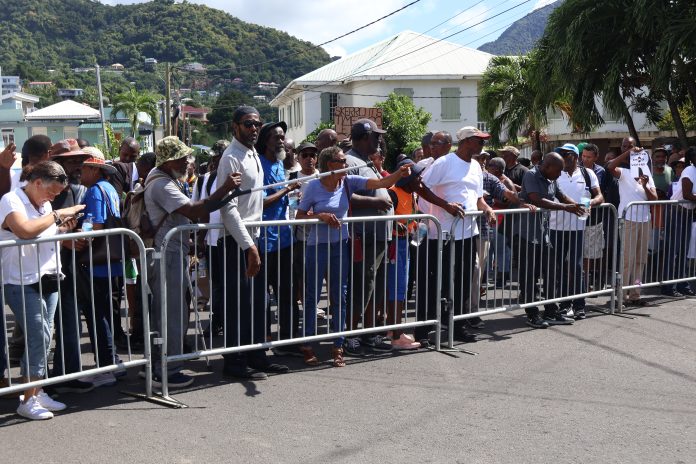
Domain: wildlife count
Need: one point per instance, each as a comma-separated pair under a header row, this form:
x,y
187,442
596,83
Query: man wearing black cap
x,y
275,242
370,239
245,304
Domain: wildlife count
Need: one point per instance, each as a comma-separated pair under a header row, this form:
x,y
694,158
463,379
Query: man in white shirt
x,y
567,232
246,300
636,224
679,220
456,178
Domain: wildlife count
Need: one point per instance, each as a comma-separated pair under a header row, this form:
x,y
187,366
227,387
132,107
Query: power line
x,y
415,50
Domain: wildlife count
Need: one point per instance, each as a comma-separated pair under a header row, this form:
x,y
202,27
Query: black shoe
x,y
688,292
243,373
672,294
475,323
461,334
376,343
73,386
270,368
352,347
580,314
537,322
556,318
425,343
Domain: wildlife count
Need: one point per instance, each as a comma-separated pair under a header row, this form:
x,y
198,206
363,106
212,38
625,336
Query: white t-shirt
x,y
211,238
48,261
456,181
573,186
678,192
631,190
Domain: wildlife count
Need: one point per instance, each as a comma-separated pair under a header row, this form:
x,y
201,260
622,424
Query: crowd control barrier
x,y
296,298
89,298
528,259
658,247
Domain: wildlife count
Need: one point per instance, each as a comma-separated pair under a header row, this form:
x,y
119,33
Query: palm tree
x,y
508,100
132,103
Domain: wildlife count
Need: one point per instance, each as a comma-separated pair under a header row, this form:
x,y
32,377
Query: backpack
x,y
135,214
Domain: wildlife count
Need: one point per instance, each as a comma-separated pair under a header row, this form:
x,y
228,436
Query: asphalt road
x,y
607,389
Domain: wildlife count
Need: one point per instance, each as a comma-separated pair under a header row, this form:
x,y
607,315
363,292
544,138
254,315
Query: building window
x,y
404,91
289,112
39,131
450,103
329,102
7,136
70,132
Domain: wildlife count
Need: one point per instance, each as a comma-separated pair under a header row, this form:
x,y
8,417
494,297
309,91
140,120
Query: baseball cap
x,y
415,172
364,126
467,132
510,149
567,147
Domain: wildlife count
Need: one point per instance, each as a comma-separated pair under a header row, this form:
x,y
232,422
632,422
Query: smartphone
x,y
640,172
77,216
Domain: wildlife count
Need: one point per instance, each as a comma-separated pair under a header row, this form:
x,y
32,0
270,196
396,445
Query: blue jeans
x,y
502,253
566,279
38,311
331,260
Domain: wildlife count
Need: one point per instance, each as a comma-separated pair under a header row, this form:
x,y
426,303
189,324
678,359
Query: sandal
x,y
309,357
338,360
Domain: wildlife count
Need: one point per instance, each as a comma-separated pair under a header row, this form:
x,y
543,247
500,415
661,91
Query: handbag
x,y
100,254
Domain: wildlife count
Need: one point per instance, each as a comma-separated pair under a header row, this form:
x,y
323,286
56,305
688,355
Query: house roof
x,y
21,96
67,109
407,55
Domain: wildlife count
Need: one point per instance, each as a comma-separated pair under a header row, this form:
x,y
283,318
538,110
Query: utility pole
x,y
167,103
101,109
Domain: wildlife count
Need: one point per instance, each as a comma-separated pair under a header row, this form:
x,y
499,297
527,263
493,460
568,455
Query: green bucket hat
x,y
170,149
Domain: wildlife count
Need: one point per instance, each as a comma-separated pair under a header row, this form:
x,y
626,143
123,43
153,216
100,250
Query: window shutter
x,y
325,107
450,103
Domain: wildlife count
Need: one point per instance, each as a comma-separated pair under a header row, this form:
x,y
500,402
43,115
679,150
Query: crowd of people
x,y
556,251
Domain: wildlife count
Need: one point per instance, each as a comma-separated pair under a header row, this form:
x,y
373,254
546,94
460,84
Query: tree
x,y
506,102
403,122
132,103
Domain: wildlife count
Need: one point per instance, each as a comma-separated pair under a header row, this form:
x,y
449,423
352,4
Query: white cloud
x,y
542,3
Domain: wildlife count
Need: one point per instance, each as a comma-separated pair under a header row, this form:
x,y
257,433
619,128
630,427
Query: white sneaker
x,y
33,409
106,379
49,403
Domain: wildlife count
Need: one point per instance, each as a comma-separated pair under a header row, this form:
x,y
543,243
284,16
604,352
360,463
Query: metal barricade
x,y
86,299
528,259
352,266
656,239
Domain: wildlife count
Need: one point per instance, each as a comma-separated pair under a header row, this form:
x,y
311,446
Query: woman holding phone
x,y
30,273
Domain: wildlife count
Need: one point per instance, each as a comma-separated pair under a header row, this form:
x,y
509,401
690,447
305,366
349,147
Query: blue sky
x,y
320,21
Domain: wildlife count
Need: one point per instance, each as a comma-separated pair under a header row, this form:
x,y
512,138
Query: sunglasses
x,y
340,161
249,124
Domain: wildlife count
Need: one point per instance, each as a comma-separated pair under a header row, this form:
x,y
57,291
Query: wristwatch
x,y
56,217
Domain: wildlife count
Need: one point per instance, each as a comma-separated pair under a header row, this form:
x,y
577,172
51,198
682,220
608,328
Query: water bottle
x,y
293,203
585,203
87,224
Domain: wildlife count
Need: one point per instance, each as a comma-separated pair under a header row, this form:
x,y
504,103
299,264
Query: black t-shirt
x,y
516,173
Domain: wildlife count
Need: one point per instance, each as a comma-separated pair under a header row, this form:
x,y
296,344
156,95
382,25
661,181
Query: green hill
x,y
523,34
38,35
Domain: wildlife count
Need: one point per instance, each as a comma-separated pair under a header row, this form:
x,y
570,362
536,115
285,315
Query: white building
x,y
11,84
440,76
